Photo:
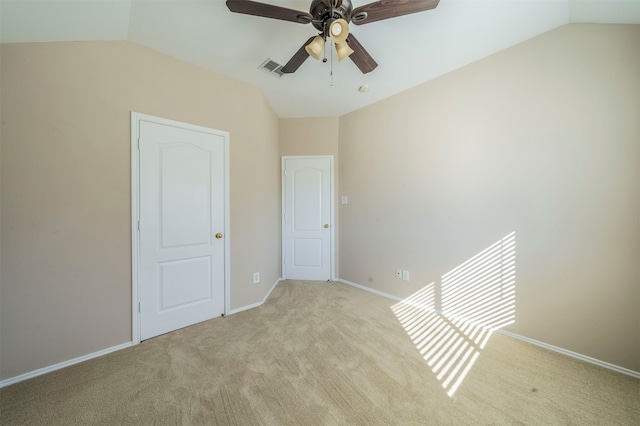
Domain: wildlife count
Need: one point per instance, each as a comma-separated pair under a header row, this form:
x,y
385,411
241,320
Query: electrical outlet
x,y
398,273
405,275
256,277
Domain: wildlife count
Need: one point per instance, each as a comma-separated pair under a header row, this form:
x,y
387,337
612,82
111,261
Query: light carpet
x,y
320,354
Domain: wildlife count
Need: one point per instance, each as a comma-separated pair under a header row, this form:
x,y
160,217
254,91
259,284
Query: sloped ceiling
x,y
409,50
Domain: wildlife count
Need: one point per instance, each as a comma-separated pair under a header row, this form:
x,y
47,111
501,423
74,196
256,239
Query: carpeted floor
x,y
321,354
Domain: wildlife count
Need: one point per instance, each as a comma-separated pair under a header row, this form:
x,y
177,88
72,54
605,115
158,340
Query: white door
x,y
307,225
182,221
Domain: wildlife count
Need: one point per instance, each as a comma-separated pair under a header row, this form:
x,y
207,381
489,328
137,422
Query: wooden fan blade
x,y
360,56
268,11
386,9
297,59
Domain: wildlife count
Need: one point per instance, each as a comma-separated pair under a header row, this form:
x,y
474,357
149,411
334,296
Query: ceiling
x,y
409,50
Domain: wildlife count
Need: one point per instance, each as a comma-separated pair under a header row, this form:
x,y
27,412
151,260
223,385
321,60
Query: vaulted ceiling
x,y
410,49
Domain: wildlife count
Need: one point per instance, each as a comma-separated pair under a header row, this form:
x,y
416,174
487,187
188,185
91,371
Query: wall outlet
x,y
398,273
405,275
256,277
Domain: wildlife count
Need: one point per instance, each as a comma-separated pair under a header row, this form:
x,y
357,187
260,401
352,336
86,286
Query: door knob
x,y
326,225
218,235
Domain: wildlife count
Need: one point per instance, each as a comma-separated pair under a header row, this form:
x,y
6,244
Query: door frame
x,y
136,118
332,255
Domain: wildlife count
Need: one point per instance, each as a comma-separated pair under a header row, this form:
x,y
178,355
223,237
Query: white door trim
x,y
332,208
136,118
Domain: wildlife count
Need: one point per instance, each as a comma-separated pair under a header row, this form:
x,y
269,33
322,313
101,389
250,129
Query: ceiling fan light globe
x,y
343,50
339,30
314,49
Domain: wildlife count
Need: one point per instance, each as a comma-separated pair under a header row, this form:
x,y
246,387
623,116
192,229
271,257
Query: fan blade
x,y
297,59
360,56
385,9
268,11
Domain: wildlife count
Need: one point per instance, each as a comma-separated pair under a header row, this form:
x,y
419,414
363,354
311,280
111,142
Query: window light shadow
x,y
475,298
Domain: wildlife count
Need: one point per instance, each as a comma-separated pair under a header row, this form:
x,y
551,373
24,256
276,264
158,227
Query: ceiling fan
x,y
331,18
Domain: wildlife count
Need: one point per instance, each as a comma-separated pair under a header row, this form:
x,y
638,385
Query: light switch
x,y
345,199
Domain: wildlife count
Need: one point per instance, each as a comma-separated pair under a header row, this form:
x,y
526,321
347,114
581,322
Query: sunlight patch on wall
x,y
482,289
475,298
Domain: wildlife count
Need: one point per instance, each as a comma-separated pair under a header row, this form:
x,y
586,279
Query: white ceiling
x,y
409,49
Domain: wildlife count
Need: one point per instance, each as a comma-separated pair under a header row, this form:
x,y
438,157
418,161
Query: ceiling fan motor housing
x,y
321,10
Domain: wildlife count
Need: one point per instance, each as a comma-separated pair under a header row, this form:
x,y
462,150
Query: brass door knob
x,y
326,225
218,235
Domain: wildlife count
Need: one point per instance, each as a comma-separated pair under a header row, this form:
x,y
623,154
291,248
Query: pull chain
x,y
330,48
333,3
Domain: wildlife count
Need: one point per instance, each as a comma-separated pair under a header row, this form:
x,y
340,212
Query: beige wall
x,y
315,136
66,243
309,136
542,139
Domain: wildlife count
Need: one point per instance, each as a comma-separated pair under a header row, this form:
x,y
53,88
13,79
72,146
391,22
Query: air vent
x,y
271,67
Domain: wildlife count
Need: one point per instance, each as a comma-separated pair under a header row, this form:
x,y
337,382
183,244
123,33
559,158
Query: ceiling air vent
x,y
271,67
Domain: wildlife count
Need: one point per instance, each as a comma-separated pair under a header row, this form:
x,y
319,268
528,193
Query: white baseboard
x,y
106,351
63,364
571,354
557,349
371,290
255,305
